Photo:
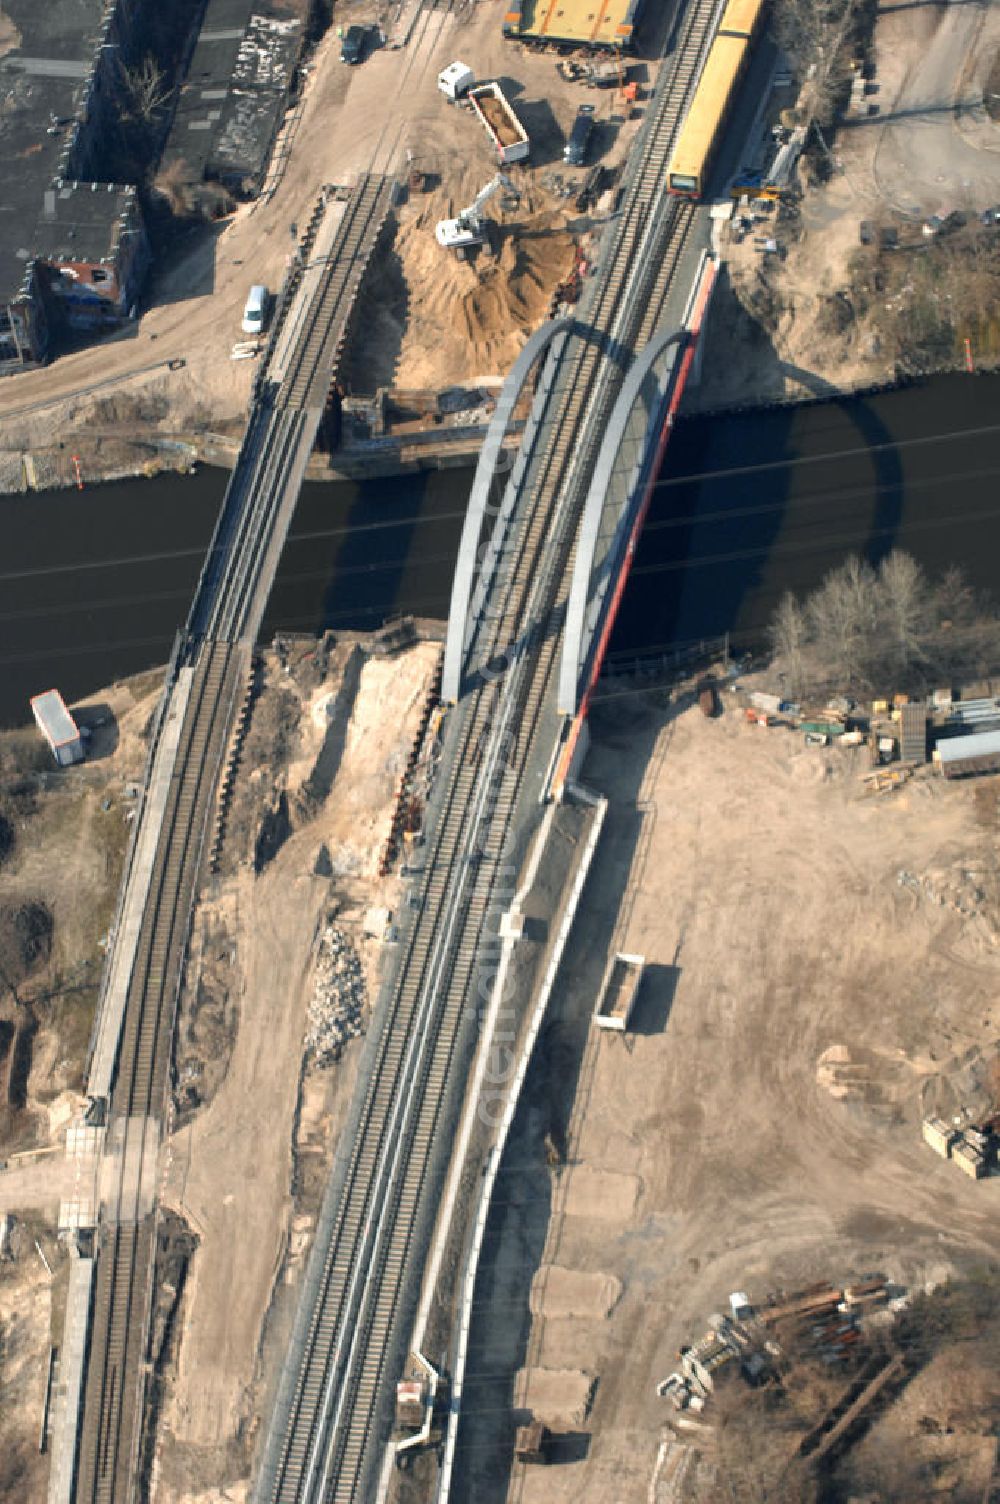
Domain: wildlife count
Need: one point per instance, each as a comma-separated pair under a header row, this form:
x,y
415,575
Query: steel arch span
x,y
475,563
612,525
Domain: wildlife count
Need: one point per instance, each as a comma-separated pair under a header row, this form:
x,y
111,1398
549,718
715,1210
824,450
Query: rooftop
x,y
232,100
46,53
54,719
971,754
582,21
80,221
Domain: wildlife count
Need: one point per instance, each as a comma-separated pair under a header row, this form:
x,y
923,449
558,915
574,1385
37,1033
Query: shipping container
x,y
619,992
58,727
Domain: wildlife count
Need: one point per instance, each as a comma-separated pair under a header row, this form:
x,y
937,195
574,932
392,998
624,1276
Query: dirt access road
x,y
800,1012
236,1171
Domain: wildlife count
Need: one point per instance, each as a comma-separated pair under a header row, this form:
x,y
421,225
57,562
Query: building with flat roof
x,y
965,756
584,23
70,249
233,97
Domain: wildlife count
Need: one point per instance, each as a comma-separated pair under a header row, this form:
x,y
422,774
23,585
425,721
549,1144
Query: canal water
x,y
758,503
94,584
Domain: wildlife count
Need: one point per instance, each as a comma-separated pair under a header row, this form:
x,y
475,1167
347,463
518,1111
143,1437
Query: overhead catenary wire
x,y
691,478
832,544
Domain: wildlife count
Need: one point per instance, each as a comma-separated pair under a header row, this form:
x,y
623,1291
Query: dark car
x,y
352,46
575,150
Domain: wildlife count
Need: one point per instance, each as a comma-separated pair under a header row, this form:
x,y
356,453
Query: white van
x,y
255,312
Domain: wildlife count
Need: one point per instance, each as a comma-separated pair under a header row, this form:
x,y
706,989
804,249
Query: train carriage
x,y
741,18
720,78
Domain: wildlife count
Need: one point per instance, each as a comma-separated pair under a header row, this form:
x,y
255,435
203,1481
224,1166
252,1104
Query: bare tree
x,y
788,640
812,33
756,1457
842,614
904,612
173,184
865,630
144,91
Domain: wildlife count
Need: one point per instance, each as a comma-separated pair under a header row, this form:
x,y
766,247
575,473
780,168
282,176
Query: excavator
x,y
469,228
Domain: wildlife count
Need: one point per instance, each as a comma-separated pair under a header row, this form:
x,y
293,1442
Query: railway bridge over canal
x,y
544,555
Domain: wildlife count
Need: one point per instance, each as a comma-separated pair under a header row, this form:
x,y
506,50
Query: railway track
x,y
243,555
304,384
110,1438
332,1407
222,627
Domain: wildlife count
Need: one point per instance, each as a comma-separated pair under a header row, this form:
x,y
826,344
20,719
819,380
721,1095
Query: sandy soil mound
x,y
446,319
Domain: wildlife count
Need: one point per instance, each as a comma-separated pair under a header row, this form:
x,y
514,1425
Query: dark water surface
x,y
94,584
756,504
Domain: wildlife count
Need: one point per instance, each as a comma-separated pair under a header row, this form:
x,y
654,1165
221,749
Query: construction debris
x,y
822,1316
339,996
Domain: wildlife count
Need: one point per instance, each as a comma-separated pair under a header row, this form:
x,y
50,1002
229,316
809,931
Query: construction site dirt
x,y
63,836
759,1126
428,319
285,961
281,972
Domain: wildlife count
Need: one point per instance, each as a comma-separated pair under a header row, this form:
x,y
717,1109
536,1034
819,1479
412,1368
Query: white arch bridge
x,y
617,499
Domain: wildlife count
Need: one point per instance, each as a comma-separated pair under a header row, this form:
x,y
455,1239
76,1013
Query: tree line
x,y
883,629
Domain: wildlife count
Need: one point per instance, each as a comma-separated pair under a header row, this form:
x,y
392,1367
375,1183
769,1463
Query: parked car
x,y
575,150
352,46
255,310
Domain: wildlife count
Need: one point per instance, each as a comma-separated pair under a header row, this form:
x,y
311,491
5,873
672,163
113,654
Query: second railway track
x,y
332,1407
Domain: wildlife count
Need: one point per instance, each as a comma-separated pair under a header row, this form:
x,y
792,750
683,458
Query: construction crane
x,y
468,228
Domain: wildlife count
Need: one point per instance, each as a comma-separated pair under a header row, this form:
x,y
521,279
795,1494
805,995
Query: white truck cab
x,y
456,80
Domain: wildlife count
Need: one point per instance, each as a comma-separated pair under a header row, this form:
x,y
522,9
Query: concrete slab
x,y
66,1396
559,1397
556,1292
604,1194
128,1170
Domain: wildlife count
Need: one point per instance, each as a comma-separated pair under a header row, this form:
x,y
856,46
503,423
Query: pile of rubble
x,y
965,890
338,1000
757,1338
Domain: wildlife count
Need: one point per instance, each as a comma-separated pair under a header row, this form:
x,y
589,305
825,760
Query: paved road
x,y
938,149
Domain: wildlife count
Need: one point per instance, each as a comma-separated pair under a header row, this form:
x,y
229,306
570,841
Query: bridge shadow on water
x,y
751,504
357,553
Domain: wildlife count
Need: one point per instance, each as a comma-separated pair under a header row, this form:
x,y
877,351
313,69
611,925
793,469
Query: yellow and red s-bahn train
x,y
720,78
